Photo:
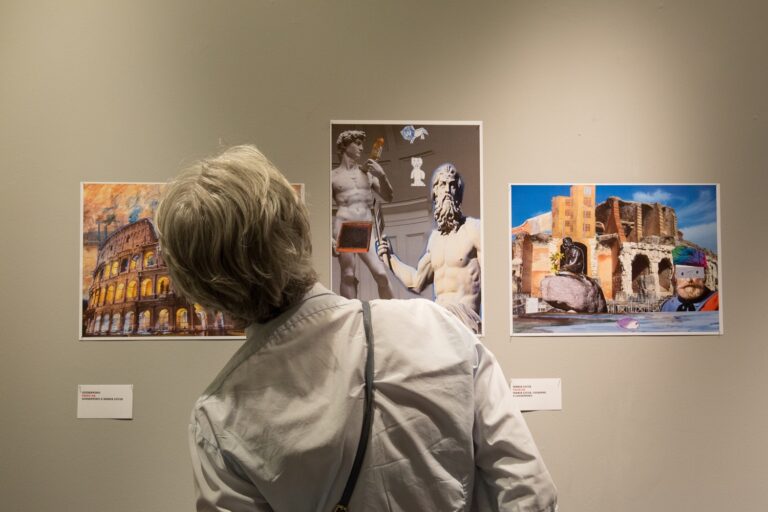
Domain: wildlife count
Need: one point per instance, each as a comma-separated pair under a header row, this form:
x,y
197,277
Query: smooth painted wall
x,y
568,91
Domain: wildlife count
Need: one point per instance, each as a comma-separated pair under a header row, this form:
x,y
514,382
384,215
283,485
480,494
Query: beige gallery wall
x,y
568,91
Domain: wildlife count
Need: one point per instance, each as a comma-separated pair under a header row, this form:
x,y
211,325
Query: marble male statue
x,y
451,260
354,189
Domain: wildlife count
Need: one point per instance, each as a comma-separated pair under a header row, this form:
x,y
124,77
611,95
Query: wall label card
x,y
537,394
112,401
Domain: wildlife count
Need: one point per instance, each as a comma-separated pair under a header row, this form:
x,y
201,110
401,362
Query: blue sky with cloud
x,y
695,205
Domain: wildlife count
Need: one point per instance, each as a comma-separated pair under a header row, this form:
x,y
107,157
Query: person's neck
x,y
347,162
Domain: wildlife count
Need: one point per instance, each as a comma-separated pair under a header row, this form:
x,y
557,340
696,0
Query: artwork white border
x,y
415,122
720,289
80,334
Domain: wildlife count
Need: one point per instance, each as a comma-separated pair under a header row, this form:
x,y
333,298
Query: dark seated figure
x,y
574,256
570,289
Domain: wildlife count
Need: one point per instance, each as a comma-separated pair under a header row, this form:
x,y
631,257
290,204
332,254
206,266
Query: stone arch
x,y
665,275
146,288
120,292
128,323
95,325
182,319
115,323
163,285
202,317
111,294
104,323
145,321
641,270
149,259
133,288
163,320
114,269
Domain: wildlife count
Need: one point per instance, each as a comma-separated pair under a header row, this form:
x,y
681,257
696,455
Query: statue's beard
x,y
447,214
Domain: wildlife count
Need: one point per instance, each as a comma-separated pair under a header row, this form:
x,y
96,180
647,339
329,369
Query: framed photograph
x,y
418,184
615,259
126,292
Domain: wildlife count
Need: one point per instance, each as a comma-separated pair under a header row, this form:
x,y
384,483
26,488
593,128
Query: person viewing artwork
x,y
276,430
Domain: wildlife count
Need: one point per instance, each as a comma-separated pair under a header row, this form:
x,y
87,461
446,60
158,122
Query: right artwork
x,y
592,259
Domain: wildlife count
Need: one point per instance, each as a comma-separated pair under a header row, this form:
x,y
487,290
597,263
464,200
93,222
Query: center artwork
x,y
406,210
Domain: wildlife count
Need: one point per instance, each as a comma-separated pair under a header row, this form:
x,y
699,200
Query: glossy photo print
x,y
591,259
405,221
126,291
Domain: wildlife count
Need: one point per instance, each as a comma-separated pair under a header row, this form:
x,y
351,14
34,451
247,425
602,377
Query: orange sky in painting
x,y
102,200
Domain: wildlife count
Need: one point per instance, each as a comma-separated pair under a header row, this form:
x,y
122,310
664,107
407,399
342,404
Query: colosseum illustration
x,y
131,293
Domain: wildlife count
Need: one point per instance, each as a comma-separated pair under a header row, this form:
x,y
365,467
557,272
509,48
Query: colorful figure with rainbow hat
x,y
691,292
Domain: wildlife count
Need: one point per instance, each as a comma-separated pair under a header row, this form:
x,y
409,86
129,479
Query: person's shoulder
x,y
670,304
418,313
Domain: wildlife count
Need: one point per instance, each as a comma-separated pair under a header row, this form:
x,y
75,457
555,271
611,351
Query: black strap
x,y
365,433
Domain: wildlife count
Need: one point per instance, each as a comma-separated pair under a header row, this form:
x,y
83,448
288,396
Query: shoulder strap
x,y
365,432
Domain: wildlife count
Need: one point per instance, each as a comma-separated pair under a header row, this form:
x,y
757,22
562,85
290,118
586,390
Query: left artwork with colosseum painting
x,y
126,291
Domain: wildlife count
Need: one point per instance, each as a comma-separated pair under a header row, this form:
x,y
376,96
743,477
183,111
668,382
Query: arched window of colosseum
x,y
665,275
95,325
111,294
124,265
219,322
182,319
105,323
145,321
163,320
102,295
120,292
128,323
115,323
163,284
135,261
642,283
202,317
113,272
133,289
146,288
149,259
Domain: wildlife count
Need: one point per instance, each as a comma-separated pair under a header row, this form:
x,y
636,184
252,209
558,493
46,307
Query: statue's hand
x,y
373,167
383,248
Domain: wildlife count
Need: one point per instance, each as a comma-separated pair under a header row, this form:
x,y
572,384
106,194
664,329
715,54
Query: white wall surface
x,y
569,91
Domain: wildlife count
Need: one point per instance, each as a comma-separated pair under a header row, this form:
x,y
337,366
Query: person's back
x,y
285,415
279,427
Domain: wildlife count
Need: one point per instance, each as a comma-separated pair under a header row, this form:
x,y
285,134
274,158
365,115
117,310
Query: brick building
x,y
629,246
132,294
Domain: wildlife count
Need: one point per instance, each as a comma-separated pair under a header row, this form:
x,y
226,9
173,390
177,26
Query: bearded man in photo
x,y
451,260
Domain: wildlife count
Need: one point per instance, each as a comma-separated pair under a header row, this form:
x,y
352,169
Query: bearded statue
x,y
447,193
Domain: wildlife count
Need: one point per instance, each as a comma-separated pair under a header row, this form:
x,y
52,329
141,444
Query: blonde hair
x,y
235,236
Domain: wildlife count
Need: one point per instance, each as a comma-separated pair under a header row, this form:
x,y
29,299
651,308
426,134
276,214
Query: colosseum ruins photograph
x,y
126,290
592,259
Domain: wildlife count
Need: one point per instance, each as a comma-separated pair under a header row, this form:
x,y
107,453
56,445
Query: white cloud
x,y
704,235
704,209
657,196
